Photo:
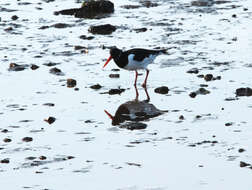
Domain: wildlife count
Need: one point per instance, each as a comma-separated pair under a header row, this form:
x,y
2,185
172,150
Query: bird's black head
x,y
115,53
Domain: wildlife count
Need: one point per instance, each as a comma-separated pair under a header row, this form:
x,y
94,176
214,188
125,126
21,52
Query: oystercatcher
x,y
134,59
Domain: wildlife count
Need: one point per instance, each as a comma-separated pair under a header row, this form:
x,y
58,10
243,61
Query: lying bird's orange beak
x,y
110,57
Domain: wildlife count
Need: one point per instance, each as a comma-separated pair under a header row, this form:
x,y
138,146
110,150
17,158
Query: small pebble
x,y
71,83
27,139
50,120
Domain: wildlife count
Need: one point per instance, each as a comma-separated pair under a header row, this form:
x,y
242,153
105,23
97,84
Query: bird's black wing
x,y
141,54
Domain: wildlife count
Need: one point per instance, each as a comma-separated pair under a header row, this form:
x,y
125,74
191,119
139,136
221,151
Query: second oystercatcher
x,y
134,59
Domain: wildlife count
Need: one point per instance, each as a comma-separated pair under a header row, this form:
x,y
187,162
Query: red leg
x,y
145,81
136,78
136,94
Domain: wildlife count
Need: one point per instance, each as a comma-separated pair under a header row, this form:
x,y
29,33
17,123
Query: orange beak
x,y
110,116
110,57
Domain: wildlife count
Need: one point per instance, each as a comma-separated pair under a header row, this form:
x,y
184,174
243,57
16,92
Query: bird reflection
x,y
130,114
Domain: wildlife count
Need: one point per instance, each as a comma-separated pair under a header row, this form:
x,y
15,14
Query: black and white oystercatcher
x,y
134,59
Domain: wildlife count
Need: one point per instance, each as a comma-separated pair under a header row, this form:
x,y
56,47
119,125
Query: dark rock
x,y
181,117
138,30
96,86
102,29
244,164
50,64
200,76
16,67
76,89
30,158
5,131
229,124
14,17
116,91
79,47
162,90
71,83
115,69
192,94
208,77
202,91
61,25
84,37
90,9
202,3
234,15
217,78
148,4
27,139
44,27
42,157
56,71
8,29
193,71
114,76
34,67
49,104
244,92
5,161
241,150
50,120
6,140
131,6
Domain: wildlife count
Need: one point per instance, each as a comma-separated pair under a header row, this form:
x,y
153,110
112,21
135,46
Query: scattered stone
x,y
138,30
60,25
49,104
8,29
229,124
70,157
50,120
96,86
5,131
5,161
193,71
244,164
84,37
133,164
114,76
50,64
44,27
244,92
162,90
208,77
148,4
90,9
76,89
202,3
130,6
200,76
102,29
201,91
56,71
231,99
115,70
79,47
116,91
234,16
241,150
181,117
71,83
193,94
6,140
14,17
16,67
42,157
30,158
27,139
34,67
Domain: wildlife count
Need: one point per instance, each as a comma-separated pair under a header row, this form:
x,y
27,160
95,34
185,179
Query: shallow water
x,y
82,149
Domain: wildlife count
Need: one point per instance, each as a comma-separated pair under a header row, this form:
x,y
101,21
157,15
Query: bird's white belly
x,y
137,65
